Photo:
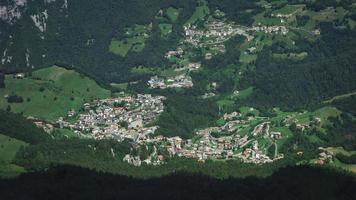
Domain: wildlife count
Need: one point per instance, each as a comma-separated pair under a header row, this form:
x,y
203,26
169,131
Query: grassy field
x,y
293,56
166,29
343,96
172,14
289,9
246,110
200,12
337,150
134,40
64,133
348,167
50,93
352,24
247,58
270,21
8,149
120,47
169,72
224,103
143,70
123,47
121,86
337,163
327,15
245,93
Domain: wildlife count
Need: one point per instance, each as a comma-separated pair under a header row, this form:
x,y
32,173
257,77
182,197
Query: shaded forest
x,y
18,127
75,183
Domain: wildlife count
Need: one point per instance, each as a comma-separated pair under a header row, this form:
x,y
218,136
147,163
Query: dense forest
x,y
66,182
2,80
342,131
18,127
328,71
347,105
185,113
236,10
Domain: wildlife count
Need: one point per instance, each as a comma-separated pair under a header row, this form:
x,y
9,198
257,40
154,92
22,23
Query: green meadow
x,y
50,92
200,12
172,14
134,40
8,149
165,28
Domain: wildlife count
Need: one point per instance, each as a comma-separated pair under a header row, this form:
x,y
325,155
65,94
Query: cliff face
x,y
23,27
11,10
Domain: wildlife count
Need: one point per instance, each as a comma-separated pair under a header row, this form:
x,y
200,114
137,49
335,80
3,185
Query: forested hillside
x,y
328,71
78,35
16,126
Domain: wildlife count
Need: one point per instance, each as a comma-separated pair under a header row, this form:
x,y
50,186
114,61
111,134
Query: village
x,y
215,143
131,118
209,37
180,81
226,142
120,118
247,138
215,32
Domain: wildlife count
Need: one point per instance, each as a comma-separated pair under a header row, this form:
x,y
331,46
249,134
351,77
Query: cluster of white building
x,y
118,118
227,143
181,81
270,29
214,34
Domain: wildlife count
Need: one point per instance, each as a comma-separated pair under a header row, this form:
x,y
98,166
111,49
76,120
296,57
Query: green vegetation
x,y
201,11
172,14
184,114
270,21
166,29
169,72
302,75
17,132
97,155
293,56
18,127
49,93
240,11
8,149
143,70
60,133
120,86
134,40
225,104
288,9
340,97
303,84
120,47
245,93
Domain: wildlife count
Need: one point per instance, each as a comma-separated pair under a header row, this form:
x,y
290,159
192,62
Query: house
x,y
160,157
19,76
